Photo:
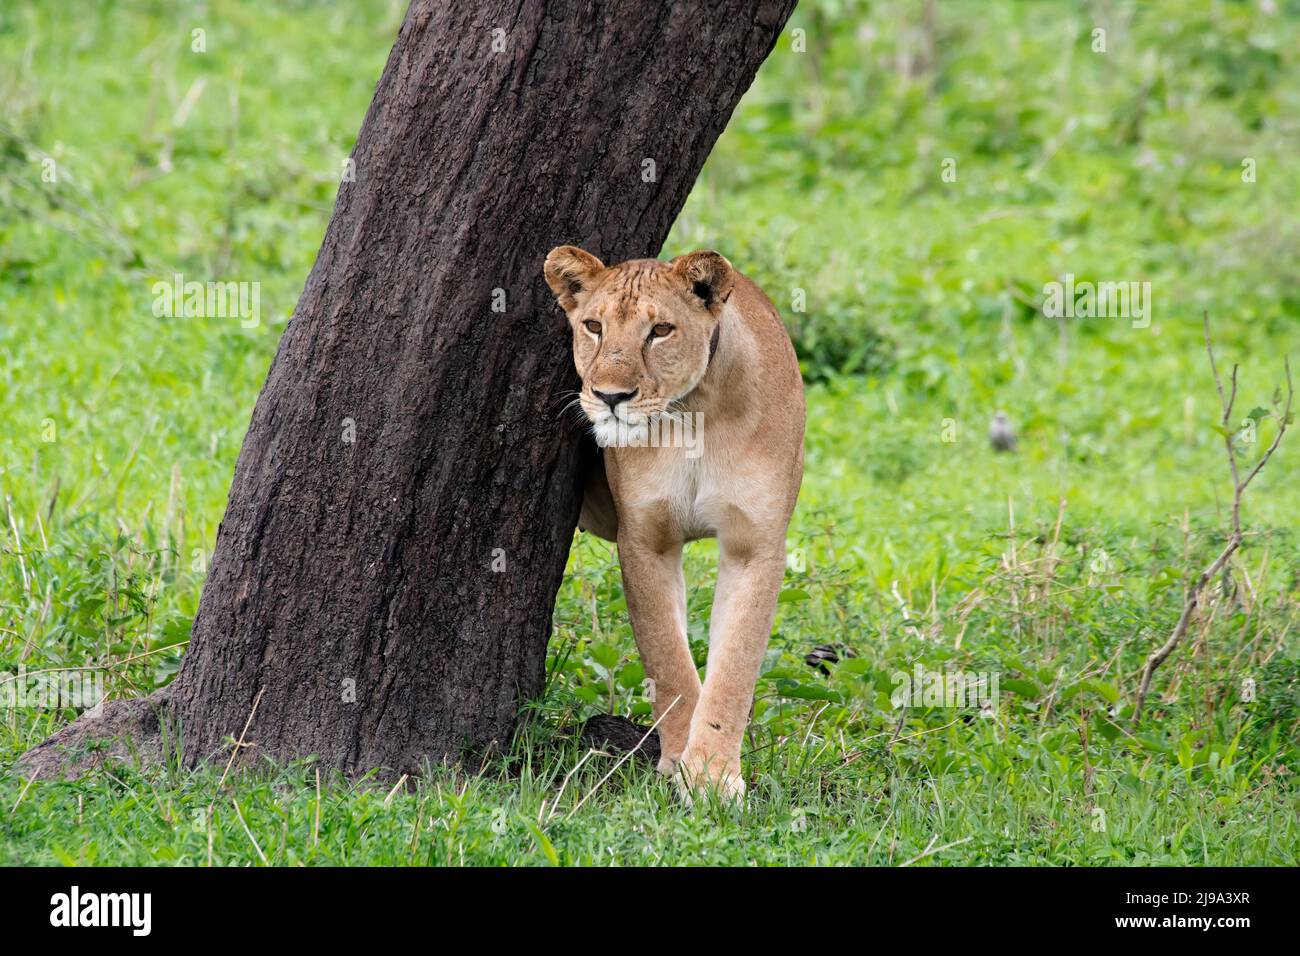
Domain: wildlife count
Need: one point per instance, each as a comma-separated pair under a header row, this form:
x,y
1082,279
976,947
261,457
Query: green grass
x,y
805,808
922,318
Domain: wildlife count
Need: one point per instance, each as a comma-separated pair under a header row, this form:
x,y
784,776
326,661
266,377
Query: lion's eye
x,y
660,330
592,326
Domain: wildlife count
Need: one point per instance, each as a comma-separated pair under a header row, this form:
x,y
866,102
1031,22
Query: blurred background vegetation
x,y
916,306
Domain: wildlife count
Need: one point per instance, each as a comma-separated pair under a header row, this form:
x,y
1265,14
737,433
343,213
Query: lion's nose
x,y
613,398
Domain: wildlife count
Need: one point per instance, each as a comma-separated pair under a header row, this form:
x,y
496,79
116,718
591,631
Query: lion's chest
x,y
692,496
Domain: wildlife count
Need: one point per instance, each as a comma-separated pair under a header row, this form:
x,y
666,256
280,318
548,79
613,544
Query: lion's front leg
x,y
744,606
656,602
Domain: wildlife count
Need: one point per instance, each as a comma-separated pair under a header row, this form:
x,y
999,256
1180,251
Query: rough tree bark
x,y
408,437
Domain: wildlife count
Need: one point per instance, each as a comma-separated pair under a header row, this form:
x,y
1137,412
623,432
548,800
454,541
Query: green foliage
x,y
1057,568
1122,165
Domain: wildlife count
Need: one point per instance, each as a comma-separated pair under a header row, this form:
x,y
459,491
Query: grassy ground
x,y
916,305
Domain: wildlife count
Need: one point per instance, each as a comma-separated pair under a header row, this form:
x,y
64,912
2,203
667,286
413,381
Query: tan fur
x,y
741,487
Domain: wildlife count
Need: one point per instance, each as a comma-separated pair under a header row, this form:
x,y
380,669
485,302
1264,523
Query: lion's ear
x,y
708,275
569,272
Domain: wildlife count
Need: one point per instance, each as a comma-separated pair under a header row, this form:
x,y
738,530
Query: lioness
x,y
684,343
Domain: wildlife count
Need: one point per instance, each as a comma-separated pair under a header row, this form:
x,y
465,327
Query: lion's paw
x,y
697,773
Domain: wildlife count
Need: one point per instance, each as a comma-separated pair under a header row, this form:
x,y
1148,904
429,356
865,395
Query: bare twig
x,y
1192,599
7,678
239,744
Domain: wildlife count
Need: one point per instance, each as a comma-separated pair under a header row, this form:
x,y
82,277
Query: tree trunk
x,y
402,507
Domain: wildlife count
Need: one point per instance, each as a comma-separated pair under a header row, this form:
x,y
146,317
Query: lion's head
x,y
643,332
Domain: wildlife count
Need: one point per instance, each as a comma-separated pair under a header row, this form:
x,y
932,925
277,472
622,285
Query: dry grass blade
x,y
622,760
251,838
931,850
